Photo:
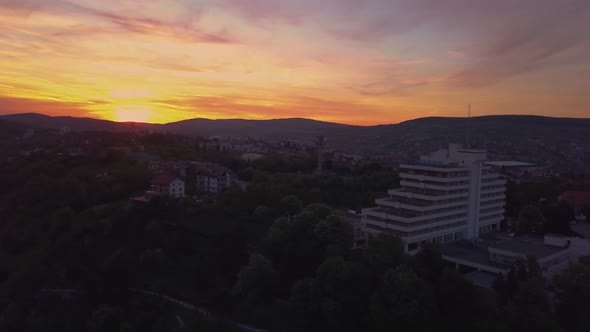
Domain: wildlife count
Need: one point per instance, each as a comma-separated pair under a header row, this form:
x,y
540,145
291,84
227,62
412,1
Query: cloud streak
x,y
506,38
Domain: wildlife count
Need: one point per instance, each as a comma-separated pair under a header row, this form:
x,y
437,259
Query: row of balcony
x,y
422,185
429,196
405,227
499,196
420,177
420,207
422,166
495,203
409,218
491,213
494,219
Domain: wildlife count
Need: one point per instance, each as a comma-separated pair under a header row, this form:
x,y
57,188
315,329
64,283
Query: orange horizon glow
x,y
165,61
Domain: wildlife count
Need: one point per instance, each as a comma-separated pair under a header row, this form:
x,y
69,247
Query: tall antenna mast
x,y
468,124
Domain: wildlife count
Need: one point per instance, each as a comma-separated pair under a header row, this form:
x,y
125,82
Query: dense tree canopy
x,y
77,256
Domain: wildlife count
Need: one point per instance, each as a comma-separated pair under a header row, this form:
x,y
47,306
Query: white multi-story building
x,y
210,178
446,196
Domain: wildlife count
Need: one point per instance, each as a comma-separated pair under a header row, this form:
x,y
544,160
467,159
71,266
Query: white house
x,y
168,185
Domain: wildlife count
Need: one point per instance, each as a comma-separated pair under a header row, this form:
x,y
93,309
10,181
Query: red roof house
x,y
576,198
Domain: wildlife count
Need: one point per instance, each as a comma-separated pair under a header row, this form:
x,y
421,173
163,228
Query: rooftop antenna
x,y
468,124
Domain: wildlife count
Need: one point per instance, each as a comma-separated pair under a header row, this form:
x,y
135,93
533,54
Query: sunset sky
x,y
349,61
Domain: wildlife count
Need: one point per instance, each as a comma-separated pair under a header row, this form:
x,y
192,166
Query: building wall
x,y
213,184
176,189
447,196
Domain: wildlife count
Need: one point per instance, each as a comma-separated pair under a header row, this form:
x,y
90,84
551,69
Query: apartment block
x,y
446,196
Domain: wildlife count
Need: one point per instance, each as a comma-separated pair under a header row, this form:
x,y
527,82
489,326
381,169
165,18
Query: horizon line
x,y
291,118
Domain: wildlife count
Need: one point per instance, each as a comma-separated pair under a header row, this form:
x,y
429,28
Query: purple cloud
x,y
184,29
504,38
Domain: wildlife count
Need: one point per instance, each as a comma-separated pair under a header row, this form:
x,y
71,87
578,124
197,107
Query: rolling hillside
x,y
410,137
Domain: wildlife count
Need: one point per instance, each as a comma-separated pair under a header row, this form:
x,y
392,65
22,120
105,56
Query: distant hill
x,y
78,124
287,128
502,132
252,128
425,134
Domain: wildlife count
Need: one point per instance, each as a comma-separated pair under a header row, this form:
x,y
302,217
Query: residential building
x,y
356,220
181,166
446,196
161,166
168,185
28,133
209,177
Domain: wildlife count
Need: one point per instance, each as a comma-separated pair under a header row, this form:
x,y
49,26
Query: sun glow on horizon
x,y
133,113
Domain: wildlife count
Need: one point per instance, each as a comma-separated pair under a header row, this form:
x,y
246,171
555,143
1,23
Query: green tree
x,y
279,231
293,247
341,289
291,205
321,211
384,252
500,286
428,262
572,290
233,198
584,260
257,281
522,270
264,213
530,220
105,319
303,302
336,234
461,305
529,310
404,303
533,267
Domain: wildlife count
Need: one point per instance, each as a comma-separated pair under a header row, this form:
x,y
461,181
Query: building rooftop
x,y
430,163
479,252
209,169
522,245
468,251
164,180
510,163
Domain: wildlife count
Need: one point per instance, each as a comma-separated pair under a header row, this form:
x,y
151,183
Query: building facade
x,y
446,196
210,178
168,185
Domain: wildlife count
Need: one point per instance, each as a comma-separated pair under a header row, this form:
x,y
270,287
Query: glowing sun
x,y
134,113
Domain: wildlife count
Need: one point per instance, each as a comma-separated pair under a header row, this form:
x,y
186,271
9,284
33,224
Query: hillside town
x,y
491,221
